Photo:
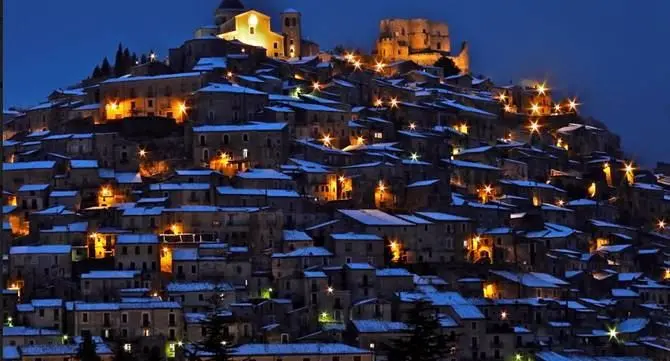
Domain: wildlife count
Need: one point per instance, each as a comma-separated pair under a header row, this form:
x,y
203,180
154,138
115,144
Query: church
x,y
235,22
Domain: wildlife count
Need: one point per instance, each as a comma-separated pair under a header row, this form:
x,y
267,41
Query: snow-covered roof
x,y
393,272
137,239
229,88
288,349
113,274
304,252
45,249
443,217
33,187
374,217
379,326
23,166
258,173
271,193
350,236
124,79
532,279
249,127
466,164
292,235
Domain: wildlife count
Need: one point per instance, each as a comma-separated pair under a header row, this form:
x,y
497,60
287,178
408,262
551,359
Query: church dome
x,y
231,4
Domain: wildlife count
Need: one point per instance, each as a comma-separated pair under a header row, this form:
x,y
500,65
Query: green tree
x,y
448,66
216,341
105,68
118,61
87,350
96,72
425,341
127,61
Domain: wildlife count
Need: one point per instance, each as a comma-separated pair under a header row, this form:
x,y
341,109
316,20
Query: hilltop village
x,y
309,200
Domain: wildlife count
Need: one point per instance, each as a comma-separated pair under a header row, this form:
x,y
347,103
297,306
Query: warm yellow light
x,y
502,97
394,102
175,228
412,126
508,108
560,203
593,190
253,20
381,187
106,191
463,128
557,108
542,88
114,106
534,127
357,65
361,140
93,235
503,315
330,290
316,86
535,108
142,153
379,103
517,357
380,66
230,74
182,108
661,224
630,173
349,57
327,140
342,179
155,294
396,250
572,104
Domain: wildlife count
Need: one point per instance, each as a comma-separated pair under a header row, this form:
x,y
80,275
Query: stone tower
x,y
291,27
227,10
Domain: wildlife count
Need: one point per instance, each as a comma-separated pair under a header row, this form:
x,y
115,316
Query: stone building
x,y
420,40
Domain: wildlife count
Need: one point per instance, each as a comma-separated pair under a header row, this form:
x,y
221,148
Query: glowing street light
x,y
414,157
327,139
360,140
330,290
349,57
612,333
357,65
508,108
542,89
381,187
394,102
380,66
630,172
560,203
502,97
412,126
503,315
661,224
535,108
182,108
316,86
152,56
534,127
342,179
517,357
572,104
557,108
142,153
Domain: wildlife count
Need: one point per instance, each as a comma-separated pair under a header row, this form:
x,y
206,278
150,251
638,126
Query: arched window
x,y
287,22
226,139
205,155
402,31
294,22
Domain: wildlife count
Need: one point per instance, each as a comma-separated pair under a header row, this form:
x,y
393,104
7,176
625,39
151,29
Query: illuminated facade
x,y
253,28
420,40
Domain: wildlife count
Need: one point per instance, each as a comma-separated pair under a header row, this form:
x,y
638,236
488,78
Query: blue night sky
x,y
612,54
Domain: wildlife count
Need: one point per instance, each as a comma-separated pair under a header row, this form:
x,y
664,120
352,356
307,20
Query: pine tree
x,y
127,61
87,350
448,65
118,61
105,69
96,72
216,341
143,59
133,60
425,342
